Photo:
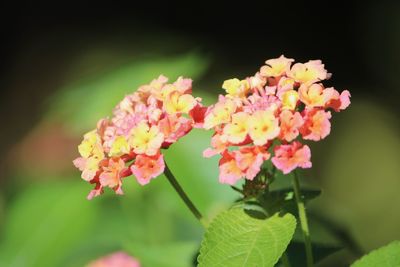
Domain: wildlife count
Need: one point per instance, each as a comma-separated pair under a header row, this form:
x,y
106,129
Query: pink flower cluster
x,y
265,115
130,142
116,259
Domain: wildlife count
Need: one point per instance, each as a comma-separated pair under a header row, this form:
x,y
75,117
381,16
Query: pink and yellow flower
x,y
259,117
146,167
263,126
173,128
112,174
220,113
316,124
236,131
289,157
145,139
218,146
276,67
289,99
229,171
338,101
314,95
236,87
92,153
290,125
276,108
130,142
310,72
245,162
250,158
176,102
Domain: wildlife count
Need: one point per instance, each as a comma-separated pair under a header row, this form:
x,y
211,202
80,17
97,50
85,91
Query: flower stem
x,y
172,180
303,220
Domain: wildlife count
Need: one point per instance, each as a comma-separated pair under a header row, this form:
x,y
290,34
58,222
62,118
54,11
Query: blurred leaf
x,y
321,234
54,225
164,255
387,256
236,239
43,224
361,187
82,104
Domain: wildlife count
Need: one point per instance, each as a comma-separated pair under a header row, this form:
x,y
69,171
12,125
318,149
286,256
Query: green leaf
x,y
236,239
387,256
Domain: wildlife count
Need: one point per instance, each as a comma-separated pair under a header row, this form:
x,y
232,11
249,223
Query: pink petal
x,y
289,157
116,259
145,167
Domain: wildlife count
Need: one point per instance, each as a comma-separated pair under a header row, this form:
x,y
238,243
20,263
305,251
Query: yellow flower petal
x,y
119,147
236,88
263,126
177,103
236,131
221,113
146,140
88,145
276,67
289,99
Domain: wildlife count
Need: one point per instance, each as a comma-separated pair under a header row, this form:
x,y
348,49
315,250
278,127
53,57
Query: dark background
x,y
358,40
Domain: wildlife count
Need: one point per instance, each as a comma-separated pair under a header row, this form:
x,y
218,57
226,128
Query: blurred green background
x,y
61,72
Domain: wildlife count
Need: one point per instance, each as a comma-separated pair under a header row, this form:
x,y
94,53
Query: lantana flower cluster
x,y
266,116
130,142
116,259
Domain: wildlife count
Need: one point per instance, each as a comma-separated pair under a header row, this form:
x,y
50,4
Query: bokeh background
x,y
64,67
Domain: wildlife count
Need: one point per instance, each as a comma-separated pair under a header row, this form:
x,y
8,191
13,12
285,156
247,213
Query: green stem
x,y
303,220
172,180
285,260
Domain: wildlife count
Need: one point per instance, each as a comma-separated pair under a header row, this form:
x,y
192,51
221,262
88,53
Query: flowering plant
x,y
130,142
261,128
270,111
